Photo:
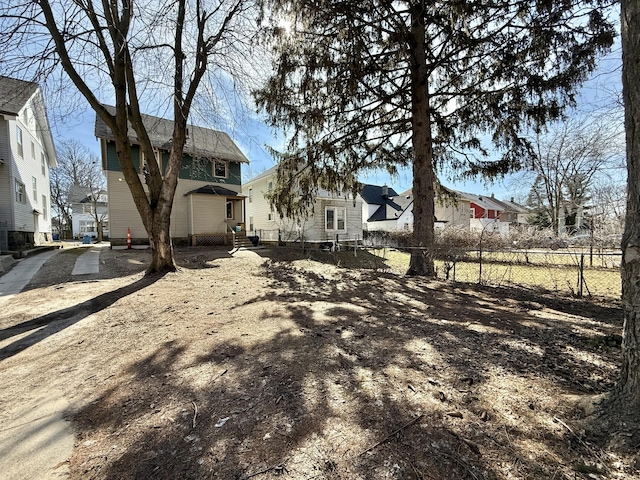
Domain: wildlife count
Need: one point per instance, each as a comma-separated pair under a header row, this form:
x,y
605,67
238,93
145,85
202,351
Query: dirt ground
x,y
275,364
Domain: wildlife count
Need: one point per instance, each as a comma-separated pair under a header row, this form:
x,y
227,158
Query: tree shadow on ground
x,y
378,377
47,325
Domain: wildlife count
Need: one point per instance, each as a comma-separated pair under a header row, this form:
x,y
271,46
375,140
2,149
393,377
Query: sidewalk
x,y
21,274
37,441
89,261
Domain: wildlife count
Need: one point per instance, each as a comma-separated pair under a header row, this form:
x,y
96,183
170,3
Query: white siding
x,y
6,184
258,208
26,168
312,228
20,216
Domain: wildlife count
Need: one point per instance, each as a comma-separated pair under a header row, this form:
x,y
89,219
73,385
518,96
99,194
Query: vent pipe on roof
x,y
385,192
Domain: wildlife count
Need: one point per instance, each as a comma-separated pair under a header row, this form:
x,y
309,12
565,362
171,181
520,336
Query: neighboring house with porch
x,y
208,204
27,153
87,209
332,218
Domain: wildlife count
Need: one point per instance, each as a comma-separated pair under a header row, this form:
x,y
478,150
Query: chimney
x,y
512,200
385,192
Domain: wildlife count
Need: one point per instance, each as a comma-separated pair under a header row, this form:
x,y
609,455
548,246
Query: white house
x,y
86,208
26,154
332,217
384,209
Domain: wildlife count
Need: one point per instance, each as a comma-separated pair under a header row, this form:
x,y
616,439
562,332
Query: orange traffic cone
x,y
128,238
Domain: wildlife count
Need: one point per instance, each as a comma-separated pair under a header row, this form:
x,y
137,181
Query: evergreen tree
x,y
374,84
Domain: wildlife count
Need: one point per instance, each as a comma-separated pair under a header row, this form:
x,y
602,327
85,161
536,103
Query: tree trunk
x,y
99,231
628,388
160,241
423,175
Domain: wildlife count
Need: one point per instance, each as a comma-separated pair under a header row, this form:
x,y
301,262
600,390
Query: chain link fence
x,y
584,271
576,273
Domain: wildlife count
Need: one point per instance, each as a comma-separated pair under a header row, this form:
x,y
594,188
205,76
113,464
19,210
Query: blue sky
x,y
251,135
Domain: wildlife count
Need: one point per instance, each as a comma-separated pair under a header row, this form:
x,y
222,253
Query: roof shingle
x,y
201,142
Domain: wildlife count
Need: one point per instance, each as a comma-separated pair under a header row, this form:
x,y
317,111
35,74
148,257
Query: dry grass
x,y
280,365
539,270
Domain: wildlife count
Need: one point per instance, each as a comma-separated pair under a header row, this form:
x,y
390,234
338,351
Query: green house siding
x,y
199,169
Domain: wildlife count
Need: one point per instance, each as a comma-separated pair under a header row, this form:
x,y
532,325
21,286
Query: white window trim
x,y
157,158
20,192
229,202
34,187
335,219
19,141
226,168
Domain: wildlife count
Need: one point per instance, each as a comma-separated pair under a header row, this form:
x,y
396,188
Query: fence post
x,y
581,276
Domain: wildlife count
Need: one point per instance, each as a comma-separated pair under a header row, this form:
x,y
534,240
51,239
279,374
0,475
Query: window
x,y
143,159
34,187
44,207
250,195
87,209
270,216
219,169
335,218
87,226
270,186
43,165
251,224
330,219
472,213
21,194
229,209
33,150
19,140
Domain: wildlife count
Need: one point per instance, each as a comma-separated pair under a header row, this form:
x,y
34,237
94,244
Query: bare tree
x,y
566,161
77,177
130,53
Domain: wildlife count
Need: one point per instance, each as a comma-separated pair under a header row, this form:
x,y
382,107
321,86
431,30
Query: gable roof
x,y
483,201
201,142
372,194
14,94
260,176
389,209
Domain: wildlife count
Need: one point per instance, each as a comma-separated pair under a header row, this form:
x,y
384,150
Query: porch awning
x,y
215,190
